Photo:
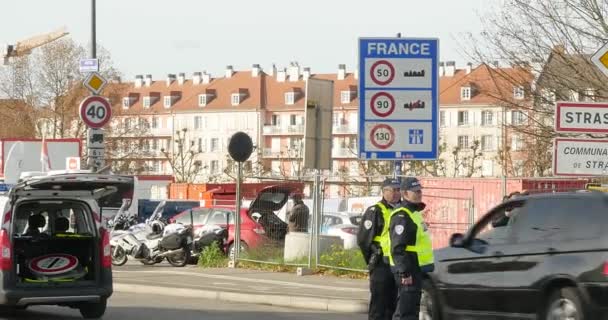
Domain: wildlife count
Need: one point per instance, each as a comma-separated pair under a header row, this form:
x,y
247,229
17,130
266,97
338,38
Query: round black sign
x,y
240,146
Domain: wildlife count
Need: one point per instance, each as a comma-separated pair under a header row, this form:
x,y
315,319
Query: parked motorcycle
x,y
155,242
206,237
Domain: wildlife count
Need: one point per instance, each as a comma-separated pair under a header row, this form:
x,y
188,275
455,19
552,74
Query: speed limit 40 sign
x,y
95,111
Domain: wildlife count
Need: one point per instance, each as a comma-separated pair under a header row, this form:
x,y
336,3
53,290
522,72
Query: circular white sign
x,y
382,104
382,72
53,264
382,136
95,111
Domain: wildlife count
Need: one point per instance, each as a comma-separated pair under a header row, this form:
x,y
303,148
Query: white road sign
x,y
600,59
580,157
411,136
398,98
89,65
581,117
95,111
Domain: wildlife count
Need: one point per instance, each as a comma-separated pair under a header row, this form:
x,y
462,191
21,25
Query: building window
x,y
487,118
156,166
126,103
275,120
200,144
487,143
589,95
518,92
154,144
442,118
516,143
202,100
198,122
236,99
463,142
465,93
290,98
292,120
168,101
127,124
463,118
517,117
215,145
146,102
487,168
154,122
345,96
215,166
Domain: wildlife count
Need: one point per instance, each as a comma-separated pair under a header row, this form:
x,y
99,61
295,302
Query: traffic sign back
x,y
399,98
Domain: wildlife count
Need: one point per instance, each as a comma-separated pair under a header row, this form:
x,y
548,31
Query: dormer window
x,y
147,103
168,101
518,92
346,96
465,93
127,102
202,100
290,98
236,99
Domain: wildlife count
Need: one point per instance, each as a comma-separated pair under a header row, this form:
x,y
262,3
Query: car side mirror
x,y
457,240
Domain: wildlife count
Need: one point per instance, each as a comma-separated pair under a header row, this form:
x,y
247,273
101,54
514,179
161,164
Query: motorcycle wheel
x,y
119,256
179,260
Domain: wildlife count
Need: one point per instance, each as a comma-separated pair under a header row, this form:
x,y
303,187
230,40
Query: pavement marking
x,y
275,282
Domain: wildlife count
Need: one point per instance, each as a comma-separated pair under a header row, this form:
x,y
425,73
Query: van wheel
x,y
429,306
564,303
93,310
119,256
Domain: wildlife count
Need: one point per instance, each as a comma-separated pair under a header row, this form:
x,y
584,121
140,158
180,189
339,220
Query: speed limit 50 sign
x,y
398,98
95,111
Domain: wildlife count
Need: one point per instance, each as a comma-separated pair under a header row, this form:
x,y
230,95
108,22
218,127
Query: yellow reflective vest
x,y
384,238
424,244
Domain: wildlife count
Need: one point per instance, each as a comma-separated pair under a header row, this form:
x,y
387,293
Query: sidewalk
x,y
312,292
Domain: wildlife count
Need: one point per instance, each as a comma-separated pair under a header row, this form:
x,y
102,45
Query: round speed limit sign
x,y
382,72
95,111
382,104
382,136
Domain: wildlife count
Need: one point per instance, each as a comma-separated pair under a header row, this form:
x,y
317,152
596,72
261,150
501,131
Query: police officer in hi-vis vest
x,y
374,243
411,248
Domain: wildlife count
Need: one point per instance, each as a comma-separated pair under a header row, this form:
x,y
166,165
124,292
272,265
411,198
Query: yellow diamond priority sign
x,y
600,59
95,82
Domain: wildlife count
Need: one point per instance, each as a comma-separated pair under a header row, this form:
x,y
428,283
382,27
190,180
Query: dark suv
x,y
535,257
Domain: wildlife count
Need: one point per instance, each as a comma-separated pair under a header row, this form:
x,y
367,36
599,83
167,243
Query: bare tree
x,y
434,168
183,159
465,160
551,40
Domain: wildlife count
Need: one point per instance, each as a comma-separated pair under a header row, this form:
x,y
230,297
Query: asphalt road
x,y
147,307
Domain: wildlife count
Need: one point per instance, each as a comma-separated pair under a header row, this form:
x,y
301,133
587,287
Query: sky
x,y
159,37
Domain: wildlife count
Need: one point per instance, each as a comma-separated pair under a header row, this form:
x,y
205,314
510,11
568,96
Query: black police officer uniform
x,y
371,231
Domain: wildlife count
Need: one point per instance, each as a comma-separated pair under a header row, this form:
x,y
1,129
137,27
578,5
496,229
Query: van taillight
x,y
106,251
6,257
605,271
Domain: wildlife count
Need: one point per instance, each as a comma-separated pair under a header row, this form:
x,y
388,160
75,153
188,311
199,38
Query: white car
x,y
344,225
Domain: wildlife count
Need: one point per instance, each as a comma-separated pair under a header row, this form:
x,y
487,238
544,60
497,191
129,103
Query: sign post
x,y
399,99
95,112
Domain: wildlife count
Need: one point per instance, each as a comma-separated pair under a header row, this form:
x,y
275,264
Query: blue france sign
x,y
398,98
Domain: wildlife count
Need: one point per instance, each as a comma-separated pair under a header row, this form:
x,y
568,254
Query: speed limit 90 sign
x,y
95,111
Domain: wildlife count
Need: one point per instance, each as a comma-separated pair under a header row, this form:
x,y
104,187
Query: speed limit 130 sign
x,y
95,111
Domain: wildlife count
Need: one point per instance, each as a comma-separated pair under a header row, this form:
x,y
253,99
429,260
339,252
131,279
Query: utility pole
x,y
93,31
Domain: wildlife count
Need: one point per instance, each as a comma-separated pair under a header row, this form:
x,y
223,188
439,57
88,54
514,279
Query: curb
x,y
299,302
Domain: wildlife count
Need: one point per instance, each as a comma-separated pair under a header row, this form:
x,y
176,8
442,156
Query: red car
x,y
259,223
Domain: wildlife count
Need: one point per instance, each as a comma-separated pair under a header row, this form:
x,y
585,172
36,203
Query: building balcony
x,y
292,129
339,152
344,129
283,154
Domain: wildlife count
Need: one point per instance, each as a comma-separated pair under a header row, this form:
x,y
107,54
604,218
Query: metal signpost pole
x,y
237,215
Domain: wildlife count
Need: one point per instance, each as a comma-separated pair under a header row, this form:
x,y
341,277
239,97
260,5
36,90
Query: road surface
x,y
147,307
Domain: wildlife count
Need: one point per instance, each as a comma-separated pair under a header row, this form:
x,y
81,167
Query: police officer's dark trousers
x,y
408,302
383,292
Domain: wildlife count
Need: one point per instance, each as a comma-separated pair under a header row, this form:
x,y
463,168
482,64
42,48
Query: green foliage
x,y
212,257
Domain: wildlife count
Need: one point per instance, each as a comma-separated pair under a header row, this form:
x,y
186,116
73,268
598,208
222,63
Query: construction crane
x,y
26,46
